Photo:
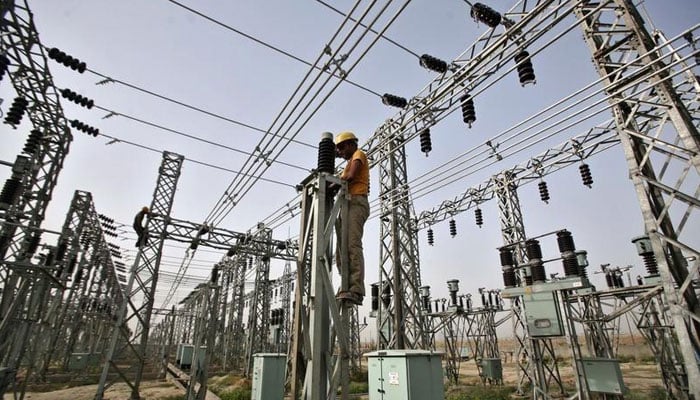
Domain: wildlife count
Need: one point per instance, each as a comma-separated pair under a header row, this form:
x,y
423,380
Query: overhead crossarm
x,y
594,141
223,239
476,67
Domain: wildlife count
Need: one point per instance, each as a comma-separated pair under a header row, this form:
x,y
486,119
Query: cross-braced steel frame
x,y
321,325
37,174
259,311
658,129
126,354
598,313
400,324
536,360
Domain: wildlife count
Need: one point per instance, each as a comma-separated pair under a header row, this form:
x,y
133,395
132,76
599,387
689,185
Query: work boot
x,y
352,297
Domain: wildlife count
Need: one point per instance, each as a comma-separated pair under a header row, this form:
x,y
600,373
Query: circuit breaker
x,y
405,375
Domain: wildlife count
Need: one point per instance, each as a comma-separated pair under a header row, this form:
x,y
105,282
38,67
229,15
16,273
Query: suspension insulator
x,y
425,143
4,63
544,192
478,215
526,72
10,192
16,112
394,101
374,291
68,61
453,228
431,238
586,177
84,128
326,153
485,14
433,63
468,111
33,142
77,98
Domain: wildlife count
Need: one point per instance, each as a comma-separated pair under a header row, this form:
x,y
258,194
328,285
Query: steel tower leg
x,y
319,320
135,313
657,129
398,251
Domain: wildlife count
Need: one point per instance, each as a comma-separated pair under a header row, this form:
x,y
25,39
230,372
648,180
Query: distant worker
x,y
356,174
140,227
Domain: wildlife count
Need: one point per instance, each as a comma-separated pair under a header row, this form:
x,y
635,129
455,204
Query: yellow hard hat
x,y
344,136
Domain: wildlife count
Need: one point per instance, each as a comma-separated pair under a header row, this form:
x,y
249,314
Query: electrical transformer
x,y
405,375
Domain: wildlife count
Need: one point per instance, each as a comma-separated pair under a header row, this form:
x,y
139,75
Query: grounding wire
x,y
560,101
228,192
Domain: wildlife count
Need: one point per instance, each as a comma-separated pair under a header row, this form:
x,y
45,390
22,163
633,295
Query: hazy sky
x,y
160,47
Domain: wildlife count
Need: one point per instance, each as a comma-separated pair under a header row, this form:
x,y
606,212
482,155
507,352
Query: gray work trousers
x,y
358,211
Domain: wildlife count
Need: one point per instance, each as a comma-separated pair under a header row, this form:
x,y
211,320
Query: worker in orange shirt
x,y
356,174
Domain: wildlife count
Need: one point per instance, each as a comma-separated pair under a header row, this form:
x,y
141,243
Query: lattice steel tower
x,y
657,126
398,251
136,313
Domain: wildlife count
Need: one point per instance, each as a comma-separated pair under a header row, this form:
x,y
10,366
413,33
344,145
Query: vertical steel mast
x,y
657,126
400,324
126,354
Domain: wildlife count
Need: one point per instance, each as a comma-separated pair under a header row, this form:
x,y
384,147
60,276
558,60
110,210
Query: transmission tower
x,y
134,316
658,131
400,325
259,311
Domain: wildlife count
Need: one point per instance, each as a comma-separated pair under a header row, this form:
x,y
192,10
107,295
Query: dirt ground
x,y
637,365
156,390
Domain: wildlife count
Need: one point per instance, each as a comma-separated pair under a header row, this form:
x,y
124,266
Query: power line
x,y
203,163
406,49
108,79
269,46
112,113
244,185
